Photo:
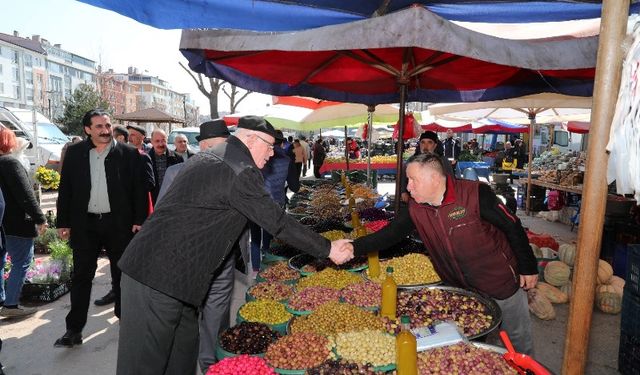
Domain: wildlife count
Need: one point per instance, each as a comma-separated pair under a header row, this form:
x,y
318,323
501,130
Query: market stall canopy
x,y
363,61
493,126
482,126
149,115
272,15
442,126
546,107
581,127
300,113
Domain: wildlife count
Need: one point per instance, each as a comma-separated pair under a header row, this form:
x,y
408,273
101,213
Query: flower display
x,y
48,178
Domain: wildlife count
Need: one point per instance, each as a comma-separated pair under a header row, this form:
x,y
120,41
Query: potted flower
x,y
50,278
48,178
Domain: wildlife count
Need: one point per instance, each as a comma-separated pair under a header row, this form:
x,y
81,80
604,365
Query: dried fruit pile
x,y
330,278
366,294
243,364
428,305
279,272
333,317
272,290
248,338
342,367
299,351
311,298
462,359
374,347
264,311
410,269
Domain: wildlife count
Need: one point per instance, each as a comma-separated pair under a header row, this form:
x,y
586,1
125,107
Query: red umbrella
x,y
581,127
409,55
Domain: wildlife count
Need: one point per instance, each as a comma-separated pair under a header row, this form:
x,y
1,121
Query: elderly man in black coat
x,y
169,265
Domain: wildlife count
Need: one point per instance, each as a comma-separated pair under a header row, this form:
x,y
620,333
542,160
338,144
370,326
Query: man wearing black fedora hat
x,y
211,133
171,263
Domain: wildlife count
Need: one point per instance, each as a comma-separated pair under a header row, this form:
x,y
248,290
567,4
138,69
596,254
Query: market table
x,y
481,168
382,168
549,185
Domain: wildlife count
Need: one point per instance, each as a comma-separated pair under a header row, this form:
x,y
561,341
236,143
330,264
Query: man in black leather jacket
x,y
169,265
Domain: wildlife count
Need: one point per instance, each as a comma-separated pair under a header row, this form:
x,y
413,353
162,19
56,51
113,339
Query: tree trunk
x,y
213,104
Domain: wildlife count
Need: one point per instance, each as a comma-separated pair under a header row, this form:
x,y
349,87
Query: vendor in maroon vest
x,y
473,241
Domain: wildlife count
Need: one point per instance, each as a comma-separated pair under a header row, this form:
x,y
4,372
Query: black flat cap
x,y
213,129
139,129
258,124
429,135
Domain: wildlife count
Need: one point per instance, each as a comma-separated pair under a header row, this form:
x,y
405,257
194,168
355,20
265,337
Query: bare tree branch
x,y
200,84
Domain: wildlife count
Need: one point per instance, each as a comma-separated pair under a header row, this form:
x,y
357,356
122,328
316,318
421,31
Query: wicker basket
x,y
45,292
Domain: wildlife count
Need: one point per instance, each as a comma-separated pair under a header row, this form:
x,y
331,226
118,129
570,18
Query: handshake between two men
x,y
341,251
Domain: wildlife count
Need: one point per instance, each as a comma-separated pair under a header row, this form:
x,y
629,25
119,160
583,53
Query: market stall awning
x,y
149,115
546,107
310,114
270,15
362,62
581,127
492,126
443,126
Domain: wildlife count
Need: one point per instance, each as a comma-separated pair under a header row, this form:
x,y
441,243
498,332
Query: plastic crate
x,y
45,292
632,276
629,354
629,322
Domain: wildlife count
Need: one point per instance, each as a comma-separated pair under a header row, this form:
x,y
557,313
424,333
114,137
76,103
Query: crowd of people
x,y
175,225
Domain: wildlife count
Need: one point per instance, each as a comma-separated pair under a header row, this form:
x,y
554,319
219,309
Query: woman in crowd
x,y
22,222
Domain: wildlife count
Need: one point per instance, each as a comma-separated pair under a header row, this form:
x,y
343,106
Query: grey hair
x,y
429,160
180,136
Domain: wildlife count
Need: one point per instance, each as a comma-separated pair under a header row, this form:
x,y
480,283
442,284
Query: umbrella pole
x,y
346,148
594,195
399,147
532,124
370,110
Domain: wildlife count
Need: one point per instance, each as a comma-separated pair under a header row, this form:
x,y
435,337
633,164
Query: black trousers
x,y
101,233
158,333
316,170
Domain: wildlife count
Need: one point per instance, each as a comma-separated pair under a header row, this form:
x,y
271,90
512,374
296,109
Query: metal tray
x,y
491,306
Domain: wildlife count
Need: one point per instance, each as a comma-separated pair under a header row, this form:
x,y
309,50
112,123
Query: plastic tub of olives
x,y
491,308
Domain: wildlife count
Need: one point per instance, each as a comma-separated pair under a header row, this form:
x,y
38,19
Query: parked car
x,y
50,138
190,133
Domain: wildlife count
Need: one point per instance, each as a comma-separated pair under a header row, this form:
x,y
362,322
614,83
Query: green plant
x,y
48,178
61,251
42,241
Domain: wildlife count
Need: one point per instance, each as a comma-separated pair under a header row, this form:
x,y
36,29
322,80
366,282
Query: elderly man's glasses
x,y
271,147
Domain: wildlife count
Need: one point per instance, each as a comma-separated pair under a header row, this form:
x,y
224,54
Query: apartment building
x,y
154,92
118,91
36,73
23,73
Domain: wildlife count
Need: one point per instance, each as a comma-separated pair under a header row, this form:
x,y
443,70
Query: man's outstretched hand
x,y
341,251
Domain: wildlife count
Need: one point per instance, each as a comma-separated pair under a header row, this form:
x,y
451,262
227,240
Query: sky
x,y
113,41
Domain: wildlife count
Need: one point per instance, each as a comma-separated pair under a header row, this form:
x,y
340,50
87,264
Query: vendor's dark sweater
x,y
491,211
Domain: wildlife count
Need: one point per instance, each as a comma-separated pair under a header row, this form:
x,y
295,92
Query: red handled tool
x,y
524,364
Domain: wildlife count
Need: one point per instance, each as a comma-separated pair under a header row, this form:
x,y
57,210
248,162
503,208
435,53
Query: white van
x,y
50,138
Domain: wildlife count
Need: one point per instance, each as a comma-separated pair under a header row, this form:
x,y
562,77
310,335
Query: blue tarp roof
x,y
289,15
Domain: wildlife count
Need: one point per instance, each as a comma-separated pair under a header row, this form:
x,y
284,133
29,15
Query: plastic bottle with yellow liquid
x,y
373,261
406,349
343,179
355,220
389,296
